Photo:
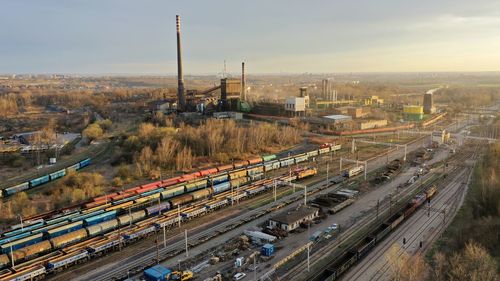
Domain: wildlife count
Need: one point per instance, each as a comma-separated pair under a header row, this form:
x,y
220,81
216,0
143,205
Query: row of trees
x,y
169,148
96,130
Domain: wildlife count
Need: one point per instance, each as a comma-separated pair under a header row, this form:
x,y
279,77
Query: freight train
x,y
361,249
141,209
44,179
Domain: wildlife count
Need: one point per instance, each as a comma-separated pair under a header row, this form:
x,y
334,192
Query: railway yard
x,y
202,221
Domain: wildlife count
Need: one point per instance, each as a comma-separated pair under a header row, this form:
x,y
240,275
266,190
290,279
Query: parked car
x,y
239,276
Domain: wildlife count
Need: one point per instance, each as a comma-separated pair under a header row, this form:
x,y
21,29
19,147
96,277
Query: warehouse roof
x,y
292,216
338,117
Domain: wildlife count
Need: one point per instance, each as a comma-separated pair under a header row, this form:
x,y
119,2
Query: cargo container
x,y
157,208
39,181
69,238
192,176
267,250
85,215
193,212
200,194
181,200
221,187
172,191
132,217
58,174
341,265
31,251
68,259
324,150
102,227
85,163
15,189
157,273
52,233
122,206
100,218
62,217
21,243
102,246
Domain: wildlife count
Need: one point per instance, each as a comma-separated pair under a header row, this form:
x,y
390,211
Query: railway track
x,y
451,200
294,273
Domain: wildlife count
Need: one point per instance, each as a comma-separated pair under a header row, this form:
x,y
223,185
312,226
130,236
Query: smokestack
x,y
180,78
243,90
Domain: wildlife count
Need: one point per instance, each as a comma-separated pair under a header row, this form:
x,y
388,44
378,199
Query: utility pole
x,y
179,214
186,238
254,269
274,181
327,169
164,237
157,249
308,262
12,256
305,195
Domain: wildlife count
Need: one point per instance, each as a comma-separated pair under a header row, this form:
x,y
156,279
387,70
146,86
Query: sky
x,y
271,36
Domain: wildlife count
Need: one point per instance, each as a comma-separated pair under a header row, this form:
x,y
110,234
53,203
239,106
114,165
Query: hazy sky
x,y
138,37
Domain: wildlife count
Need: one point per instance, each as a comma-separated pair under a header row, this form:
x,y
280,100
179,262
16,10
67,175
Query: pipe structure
x,y
243,90
180,78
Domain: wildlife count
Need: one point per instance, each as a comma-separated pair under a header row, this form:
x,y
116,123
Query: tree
x,y
92,132
473,263
404,267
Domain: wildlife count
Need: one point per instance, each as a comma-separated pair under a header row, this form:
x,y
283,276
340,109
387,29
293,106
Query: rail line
x,y
295,272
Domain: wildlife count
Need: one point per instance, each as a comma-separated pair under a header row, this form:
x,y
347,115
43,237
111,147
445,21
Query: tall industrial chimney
x,y
180,79
243,89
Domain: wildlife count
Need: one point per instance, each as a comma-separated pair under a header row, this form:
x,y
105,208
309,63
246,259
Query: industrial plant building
x,y
429,104
292,219
413,112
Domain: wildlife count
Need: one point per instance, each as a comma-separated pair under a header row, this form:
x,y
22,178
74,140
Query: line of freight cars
x,y
361,249
112,241
138,207
44,179
145,194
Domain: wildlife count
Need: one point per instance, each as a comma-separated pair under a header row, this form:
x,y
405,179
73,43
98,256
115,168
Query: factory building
x,y
372,100
291,220
429,104
413,112
337,119
295,106
305,95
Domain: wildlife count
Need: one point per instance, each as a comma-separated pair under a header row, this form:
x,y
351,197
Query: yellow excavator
x,y
181,275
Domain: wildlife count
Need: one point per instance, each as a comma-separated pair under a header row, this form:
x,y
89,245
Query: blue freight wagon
x,y
5,240
61,218
47,227
52,233
17,188
84,163
58,174
25,228
73,168
100,218
21,243
221,187
84,216
39,181
151,192
219,179
155,209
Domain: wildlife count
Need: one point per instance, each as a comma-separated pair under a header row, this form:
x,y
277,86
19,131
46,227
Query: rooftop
x,y
337,117
294,215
